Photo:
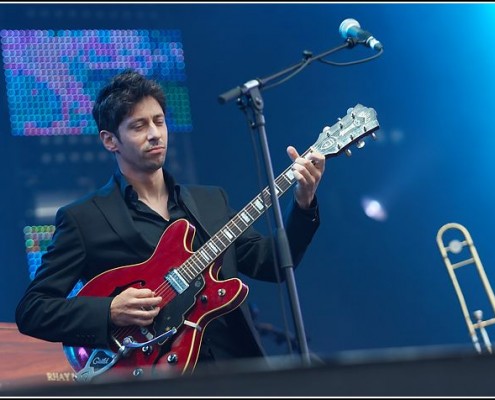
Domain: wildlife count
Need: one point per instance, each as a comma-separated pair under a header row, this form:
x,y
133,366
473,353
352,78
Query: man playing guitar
x,y
160,260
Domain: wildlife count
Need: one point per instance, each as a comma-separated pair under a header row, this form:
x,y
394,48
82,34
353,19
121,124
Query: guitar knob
x,y
172,358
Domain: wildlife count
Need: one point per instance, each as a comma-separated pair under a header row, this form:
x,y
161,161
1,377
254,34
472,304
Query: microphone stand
x,y
252,94
261,83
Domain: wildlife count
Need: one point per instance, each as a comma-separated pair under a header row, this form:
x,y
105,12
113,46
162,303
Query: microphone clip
x,y
351,42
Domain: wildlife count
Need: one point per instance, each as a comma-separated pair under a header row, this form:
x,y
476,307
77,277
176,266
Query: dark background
x,y
364,283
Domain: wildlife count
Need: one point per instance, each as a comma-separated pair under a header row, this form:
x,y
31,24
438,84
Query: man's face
x,y
143,138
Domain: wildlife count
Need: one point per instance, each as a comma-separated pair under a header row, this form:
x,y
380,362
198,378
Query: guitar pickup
x,y
176,281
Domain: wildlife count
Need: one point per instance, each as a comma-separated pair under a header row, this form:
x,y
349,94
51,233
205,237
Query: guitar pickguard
x,y
173,314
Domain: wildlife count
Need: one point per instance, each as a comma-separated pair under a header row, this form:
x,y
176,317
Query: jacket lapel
x,y
114,209
192,207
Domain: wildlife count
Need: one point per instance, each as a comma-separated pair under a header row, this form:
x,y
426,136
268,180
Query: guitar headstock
x,y
359,122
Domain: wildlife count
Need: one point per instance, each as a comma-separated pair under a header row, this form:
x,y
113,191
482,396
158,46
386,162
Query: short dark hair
x,y
118,98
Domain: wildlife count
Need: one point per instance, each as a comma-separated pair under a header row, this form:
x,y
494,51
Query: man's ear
x,y
109,140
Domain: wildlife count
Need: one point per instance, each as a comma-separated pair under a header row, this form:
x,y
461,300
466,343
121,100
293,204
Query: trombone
x,y
455,246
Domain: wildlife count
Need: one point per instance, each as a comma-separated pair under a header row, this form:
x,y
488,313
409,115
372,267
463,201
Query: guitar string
x,y
165,289
188,267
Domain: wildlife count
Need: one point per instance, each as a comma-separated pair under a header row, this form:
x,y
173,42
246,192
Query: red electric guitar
x,y
188,281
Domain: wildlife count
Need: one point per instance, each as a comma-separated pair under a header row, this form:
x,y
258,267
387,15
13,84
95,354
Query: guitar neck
x,y
359,122
227,235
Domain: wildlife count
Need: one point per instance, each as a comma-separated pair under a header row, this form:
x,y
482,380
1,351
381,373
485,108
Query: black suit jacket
x,y
96,233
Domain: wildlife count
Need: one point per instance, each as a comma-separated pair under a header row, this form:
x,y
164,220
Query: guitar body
x,y
205,299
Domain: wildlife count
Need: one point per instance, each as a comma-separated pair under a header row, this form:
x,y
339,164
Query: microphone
x,y
350,28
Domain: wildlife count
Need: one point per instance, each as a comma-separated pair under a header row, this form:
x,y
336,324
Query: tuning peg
x,y
348,152
360,144
373,136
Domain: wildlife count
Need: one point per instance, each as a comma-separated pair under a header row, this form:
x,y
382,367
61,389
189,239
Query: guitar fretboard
x,y
227,235
359,121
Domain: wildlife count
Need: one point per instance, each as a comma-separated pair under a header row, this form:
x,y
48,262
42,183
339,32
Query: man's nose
x,y
153,132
